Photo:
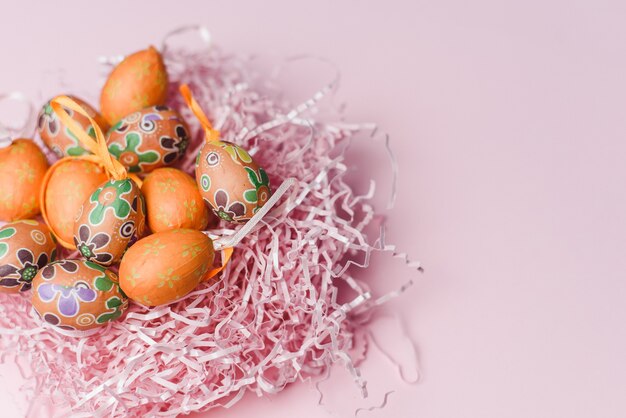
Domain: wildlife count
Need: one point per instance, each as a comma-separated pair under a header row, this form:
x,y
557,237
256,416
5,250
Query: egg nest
x,y
274,316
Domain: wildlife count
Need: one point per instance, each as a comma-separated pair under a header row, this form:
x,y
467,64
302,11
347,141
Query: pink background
x,y
508,119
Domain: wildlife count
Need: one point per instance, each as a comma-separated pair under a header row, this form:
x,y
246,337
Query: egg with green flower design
x,y
77,295
58,137
148,139
25,247
109,221
230,181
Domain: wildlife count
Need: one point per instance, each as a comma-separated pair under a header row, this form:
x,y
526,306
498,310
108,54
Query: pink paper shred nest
x,y
273,317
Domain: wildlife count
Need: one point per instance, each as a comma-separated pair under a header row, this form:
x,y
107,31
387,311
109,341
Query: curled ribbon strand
x,y
98,147
212,134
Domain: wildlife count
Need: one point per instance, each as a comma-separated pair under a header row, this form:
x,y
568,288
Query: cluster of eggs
x,y
106,218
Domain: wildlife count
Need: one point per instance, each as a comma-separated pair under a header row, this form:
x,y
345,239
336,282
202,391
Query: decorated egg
x,y
137,82
22,170
67,185
165,266
25,247
58,137
153,137
173,201
77,295
109,220
230,181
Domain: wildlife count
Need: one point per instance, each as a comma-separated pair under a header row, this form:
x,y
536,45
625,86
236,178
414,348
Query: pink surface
x,y
508,125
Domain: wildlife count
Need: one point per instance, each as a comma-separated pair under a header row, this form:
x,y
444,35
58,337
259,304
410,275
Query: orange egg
x,y
137,82
68,183
109,220
150,138
22,169
173,201
77,295
165,266
25,247
230,181
58,137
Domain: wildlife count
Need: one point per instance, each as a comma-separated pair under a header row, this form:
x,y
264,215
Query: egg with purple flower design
x,y
154,137
230,181
77,295
25,247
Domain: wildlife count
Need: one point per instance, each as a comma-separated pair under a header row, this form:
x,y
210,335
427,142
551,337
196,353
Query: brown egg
x,y
58,137
22,170
68,183
165,266
137,82
109,220
173,201
77,295
230,181
25,247
150,138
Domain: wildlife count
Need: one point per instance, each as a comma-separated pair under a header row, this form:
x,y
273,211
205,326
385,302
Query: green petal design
x,y
107,317
7,232
251,196
4,248
114,302
103,283
133,140
95,266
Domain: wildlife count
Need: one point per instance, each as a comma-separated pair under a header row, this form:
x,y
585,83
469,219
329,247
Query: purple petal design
x,y
237,208
25,256
9,282
83,233
48,272
46,292
42,260
84,293
152,117
7,269
221,198
69,266
67,305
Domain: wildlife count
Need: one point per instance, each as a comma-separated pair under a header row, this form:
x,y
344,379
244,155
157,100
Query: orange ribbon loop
x,y
212,135
97,146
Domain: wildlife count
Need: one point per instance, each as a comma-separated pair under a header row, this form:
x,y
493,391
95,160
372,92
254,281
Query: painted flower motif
x,y
22,275
175,146
130,156
118,307
69,297
110,196
76,150
261,183
226,210
89,246
5,233
47,119
49,271
236,152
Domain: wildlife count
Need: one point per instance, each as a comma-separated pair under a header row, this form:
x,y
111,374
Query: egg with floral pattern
x,y
58,137
165,266
67,185
148,139
25,247
77,295
109,220
137,82
230,181
173,201
22,170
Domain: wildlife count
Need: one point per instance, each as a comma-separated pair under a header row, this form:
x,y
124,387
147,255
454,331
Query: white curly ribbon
x,y
7,133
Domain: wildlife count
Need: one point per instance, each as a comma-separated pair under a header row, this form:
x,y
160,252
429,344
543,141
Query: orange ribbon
x,y
227,253
98,147
212,134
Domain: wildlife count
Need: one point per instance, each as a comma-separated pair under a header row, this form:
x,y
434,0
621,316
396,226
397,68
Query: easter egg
x,y
58,137
109,220
230,181
165,266
68,184
25,247
137,82
173,201
22,170
77,295
150,138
